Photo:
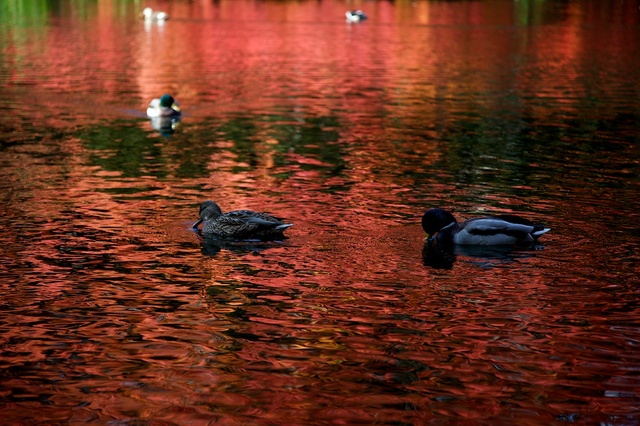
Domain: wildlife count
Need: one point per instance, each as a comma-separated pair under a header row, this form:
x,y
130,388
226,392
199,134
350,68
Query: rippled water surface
x,y
115,312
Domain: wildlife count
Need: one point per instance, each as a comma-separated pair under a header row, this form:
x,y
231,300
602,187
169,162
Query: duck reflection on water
x,y
211,246
443,257
166,126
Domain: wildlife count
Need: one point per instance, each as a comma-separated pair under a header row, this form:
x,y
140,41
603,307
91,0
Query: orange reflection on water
x,y
116,311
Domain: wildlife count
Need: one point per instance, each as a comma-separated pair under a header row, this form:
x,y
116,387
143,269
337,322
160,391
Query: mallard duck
x,y
238,224
355,15
150,15
165,106
443,228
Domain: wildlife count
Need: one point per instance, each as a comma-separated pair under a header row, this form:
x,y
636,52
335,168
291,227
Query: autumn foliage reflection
x,y
115,311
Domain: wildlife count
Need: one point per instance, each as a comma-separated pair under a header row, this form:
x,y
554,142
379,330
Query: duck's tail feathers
x,y
283,226
538,232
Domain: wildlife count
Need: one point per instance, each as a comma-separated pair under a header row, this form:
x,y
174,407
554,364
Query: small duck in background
x,y
165,106
150,15
238,224
443,228
355,15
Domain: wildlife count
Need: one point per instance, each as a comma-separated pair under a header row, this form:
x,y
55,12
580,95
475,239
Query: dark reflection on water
x,y
115,311
487,256
211,246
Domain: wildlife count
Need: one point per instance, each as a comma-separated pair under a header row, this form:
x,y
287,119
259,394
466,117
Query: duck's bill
x,y
175,107
197,222
430,241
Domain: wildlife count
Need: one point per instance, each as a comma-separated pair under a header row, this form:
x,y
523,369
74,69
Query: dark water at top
x,y
114,312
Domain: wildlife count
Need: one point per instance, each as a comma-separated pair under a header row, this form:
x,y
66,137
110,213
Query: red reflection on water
x,y
114,313
405,51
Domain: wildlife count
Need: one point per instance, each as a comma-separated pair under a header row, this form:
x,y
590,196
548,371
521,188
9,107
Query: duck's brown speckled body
x,y
239,224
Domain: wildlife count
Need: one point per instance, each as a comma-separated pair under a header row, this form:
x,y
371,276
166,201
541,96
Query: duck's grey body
x,y
239,224
442,227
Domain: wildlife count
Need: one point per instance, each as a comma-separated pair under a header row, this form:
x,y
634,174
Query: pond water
x,y
115,312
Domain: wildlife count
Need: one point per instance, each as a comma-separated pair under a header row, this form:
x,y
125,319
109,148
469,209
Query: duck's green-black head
x,y
436,219
166,101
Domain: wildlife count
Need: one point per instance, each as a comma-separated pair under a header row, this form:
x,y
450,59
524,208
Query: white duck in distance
x,y
444,229
355,15
153,15
165,106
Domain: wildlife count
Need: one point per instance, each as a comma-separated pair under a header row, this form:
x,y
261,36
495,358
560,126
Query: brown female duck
x,y
239,224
